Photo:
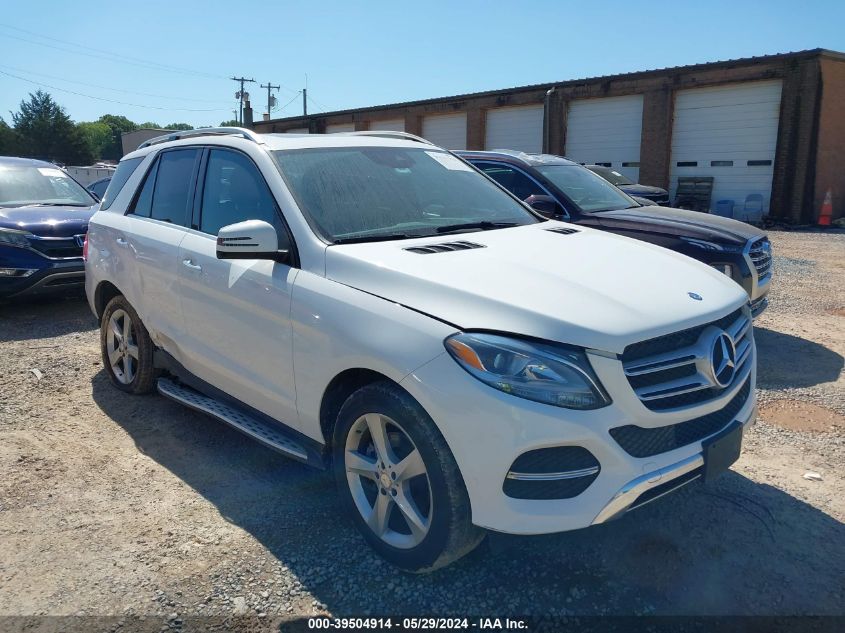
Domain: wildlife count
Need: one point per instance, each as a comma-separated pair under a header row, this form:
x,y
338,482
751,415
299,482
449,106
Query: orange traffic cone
x,y
827,210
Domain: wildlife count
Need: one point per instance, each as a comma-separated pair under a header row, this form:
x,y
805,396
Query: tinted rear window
x,y
125,169
173,185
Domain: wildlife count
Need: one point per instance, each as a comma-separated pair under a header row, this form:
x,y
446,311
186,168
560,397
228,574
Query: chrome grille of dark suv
x,y
760,254
675,371
57,247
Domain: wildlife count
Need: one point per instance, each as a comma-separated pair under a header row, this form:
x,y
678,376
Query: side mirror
x,y
544,205
252,239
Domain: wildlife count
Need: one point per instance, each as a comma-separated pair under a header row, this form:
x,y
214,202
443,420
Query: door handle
x,y
121,242
189,264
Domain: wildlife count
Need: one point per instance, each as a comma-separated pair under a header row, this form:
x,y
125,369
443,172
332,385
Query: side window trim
x,y
200,193
152,172
496,163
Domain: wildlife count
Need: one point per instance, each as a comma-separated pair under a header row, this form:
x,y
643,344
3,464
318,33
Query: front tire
x,y
399,481
126,348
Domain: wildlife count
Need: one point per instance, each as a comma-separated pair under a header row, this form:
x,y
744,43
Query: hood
x,y
47,221
679,222
589,288
643,190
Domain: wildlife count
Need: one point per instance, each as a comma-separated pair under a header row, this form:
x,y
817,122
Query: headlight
x,y
713,246
724,268
548,373
11,237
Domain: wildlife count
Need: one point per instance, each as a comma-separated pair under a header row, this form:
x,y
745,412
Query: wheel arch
x,y
105,292
338,391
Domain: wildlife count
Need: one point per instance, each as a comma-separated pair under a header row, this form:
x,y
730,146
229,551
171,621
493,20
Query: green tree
x,y
118,125
9,142
179,126
99,136
149,125
46,131
230,123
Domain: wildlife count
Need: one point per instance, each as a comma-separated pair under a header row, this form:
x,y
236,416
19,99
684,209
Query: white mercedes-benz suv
x,y
370,303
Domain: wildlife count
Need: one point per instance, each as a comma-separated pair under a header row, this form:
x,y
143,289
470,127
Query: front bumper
x,y
58,277
487,430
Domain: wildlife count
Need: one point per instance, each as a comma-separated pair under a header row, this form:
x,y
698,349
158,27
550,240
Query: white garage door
x,y
393,125
606,132
519,128
729,133
340,127
446,130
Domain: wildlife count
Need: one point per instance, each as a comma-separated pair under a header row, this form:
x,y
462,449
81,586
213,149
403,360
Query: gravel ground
x,y
116,505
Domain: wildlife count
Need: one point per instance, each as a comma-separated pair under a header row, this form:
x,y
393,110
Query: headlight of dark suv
x,y
544,372
12,237
719,247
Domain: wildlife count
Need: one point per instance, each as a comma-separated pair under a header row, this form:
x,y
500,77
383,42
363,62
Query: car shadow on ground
x,y
44,317
733,547
785,361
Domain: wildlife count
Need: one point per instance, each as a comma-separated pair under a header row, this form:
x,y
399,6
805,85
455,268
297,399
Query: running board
x,y
264,432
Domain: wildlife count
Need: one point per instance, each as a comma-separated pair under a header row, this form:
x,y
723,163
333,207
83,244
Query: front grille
x,y
642,442
674,371
570,471
760,253
56,247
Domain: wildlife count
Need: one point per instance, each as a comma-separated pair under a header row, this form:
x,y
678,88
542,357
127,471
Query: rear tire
x,y
399,481
126,348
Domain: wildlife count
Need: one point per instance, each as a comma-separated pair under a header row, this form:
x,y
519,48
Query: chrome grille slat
x,y
660,382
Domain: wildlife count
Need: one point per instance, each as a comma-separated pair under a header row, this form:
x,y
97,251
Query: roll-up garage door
x,y
446,130
340,127
728,133
606,132
393,125
519,128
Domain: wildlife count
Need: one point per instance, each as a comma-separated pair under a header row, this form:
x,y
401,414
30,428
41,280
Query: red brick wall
x,y
830,151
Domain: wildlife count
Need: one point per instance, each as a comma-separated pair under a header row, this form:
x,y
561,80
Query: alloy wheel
x,y
388,481
122,347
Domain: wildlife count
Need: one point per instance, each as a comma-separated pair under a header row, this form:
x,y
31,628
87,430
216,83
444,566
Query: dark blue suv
x,y
44,217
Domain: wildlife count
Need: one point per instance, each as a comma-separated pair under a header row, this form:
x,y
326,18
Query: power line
x,y
134,92
114,57
81,94
295,97
103,54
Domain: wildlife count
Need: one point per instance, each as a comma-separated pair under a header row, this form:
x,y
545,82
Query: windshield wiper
x,y
59,204
382,237
483,225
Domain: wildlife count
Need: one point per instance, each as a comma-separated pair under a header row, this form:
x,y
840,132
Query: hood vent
x,y
563,230
445,247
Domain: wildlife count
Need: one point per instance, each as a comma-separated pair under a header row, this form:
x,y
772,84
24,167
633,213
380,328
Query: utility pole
x,y
270,99
304,101
239,95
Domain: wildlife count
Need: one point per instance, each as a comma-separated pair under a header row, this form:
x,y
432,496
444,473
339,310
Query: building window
x,y
688,163
759,163
721,163
631,164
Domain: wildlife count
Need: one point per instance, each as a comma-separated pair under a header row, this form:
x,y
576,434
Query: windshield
x,y
368,193
22,185
611,176
588,191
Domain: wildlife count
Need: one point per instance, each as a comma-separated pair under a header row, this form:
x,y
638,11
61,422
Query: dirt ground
x,y
118,505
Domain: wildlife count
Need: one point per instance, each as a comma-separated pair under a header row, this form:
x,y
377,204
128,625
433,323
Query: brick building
x,y
770,128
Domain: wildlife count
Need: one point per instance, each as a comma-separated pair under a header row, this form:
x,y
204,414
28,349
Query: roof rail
x,y
204,131
389,134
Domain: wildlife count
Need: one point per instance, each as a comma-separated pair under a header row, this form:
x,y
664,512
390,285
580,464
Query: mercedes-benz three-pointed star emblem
x,y
723,359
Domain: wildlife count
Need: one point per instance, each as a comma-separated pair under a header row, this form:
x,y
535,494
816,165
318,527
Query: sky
x,y
170,62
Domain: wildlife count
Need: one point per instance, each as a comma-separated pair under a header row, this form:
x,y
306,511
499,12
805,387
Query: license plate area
x,y
722,450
